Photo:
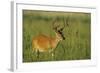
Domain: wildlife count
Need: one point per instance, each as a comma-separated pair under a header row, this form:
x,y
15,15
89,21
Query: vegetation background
x,y
76,46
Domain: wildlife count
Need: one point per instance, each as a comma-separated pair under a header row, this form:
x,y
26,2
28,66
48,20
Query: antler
x,y
55,24
65,23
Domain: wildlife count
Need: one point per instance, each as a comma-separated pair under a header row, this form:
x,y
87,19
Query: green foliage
x,y
76,46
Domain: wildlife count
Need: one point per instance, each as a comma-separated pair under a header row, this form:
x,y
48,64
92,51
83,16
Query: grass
x,y
76,46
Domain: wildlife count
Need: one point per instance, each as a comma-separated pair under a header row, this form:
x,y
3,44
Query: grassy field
x,y
76,46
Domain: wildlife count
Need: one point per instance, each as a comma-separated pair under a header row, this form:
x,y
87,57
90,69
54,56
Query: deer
x,y
44,43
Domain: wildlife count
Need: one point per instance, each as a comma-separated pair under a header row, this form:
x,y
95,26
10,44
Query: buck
x,y
44,43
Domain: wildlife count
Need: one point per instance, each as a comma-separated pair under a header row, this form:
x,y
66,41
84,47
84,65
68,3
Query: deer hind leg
x,y
33,54
37,53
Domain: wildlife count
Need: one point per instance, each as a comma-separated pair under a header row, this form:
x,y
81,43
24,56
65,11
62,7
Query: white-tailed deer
x,y
44,43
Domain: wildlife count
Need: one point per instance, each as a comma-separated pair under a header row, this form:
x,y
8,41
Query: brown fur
x,y
45,43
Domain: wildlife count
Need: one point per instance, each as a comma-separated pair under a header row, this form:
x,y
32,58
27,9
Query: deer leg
x,y
32,55
37,54
52,54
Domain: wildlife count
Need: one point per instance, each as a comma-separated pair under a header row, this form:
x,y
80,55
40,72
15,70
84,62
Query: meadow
x,y
76,46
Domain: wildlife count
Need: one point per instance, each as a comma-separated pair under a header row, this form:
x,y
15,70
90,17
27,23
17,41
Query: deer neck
x,y
55,41
58,38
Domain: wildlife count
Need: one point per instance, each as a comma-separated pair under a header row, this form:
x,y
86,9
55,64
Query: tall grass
x,y
76,46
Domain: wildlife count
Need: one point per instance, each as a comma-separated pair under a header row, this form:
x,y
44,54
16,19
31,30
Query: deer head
x,y
59,28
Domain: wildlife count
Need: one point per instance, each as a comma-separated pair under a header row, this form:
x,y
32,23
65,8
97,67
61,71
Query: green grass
x,y
76,46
